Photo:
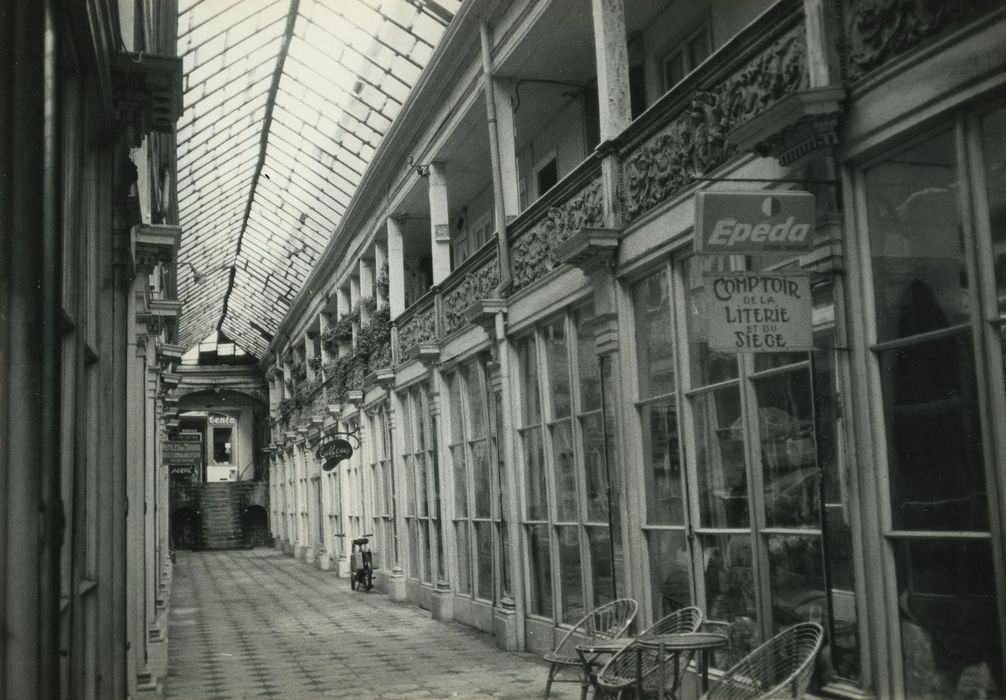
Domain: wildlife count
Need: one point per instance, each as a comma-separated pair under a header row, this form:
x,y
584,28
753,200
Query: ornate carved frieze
x,y
421,327
532,255
480,283
694,142
880,30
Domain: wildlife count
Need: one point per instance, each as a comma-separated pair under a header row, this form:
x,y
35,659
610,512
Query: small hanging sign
x,y
334,451
759,312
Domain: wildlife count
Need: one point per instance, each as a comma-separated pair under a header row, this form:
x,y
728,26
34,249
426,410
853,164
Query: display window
x,y
476,492
567,444
382,487
746,506
932,212
422,517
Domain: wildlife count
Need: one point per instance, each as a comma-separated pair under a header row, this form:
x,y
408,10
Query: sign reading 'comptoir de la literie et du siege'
x,y
759,312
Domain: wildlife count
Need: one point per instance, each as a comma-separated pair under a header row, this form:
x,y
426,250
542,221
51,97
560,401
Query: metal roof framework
x,y
286,102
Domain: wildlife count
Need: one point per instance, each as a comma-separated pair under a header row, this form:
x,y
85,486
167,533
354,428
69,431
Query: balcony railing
x,y
685,134
476,278
573,204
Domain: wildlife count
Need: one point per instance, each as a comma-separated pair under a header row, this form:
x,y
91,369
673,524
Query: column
x,y
443,597
396,268
367,291
440,223
612,55
507,134
381,281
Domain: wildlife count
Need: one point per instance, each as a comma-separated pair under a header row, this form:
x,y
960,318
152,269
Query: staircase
x,y
220,504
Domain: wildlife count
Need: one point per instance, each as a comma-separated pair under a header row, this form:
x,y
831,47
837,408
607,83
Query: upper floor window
x,y
686,56
546,174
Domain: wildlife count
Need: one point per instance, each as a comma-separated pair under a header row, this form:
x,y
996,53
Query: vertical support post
x,y
612,55
499,205
366,287
440,224
380,261
396,268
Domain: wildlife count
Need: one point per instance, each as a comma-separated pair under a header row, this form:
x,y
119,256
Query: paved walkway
x,y
256,623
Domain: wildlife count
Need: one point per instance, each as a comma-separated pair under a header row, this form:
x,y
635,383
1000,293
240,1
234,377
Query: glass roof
x,y
286,102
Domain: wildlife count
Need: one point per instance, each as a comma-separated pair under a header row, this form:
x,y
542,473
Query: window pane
x,y
674,70
529,380
595,476
484,545
421,487
558,368
707,366
590,369
669,571
476,401
654,336
460,481
410,480
481,480
457,410
664,489
565,477
602,566
570,580
698,49
797,575
719,452
729,582
534,467
994,151
540,573
788,462
222,453
414,549
916,237
934,451
462,546
949,632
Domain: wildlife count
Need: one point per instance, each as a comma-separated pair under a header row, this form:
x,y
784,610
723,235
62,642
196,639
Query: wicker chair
x,y
609,621
779,668
633,664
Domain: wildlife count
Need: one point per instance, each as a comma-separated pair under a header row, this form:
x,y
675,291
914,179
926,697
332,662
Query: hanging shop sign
x,y
759,312
180,451
754,222
334,451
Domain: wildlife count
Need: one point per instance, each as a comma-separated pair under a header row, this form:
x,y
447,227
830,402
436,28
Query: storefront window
x,y
937,494
761,451
471,453
578,450
423,487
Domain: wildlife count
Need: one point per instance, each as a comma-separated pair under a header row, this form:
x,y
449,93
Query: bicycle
x,y
362,563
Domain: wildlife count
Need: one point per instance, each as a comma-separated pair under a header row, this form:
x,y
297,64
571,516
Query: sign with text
x,y
182,471
754,222
182,452
759,312
333,452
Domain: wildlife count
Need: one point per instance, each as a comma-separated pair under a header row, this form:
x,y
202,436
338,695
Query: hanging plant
x,y
365,306
376,334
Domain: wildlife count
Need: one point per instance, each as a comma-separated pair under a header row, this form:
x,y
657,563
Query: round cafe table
x,y
679,643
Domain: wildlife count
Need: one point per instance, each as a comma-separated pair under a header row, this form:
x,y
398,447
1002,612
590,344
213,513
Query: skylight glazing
x,y
286,102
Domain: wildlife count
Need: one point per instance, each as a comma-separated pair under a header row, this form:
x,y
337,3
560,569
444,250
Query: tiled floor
x,y
256,623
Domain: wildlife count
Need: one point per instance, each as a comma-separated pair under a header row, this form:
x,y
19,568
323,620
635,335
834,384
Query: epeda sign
x,y
754,222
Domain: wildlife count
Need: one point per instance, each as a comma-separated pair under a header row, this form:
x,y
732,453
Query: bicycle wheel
x,y
368,580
